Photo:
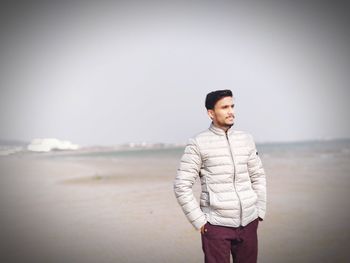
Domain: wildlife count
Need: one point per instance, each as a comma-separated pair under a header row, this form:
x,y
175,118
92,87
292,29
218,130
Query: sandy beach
x,y
57,208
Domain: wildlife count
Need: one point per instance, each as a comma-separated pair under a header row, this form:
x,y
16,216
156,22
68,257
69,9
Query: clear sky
x,y
101,73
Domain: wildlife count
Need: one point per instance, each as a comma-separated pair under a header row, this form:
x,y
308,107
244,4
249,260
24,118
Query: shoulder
x,y
202,139
201,136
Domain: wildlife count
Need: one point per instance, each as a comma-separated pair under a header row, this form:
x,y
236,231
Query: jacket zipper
x,y
234,179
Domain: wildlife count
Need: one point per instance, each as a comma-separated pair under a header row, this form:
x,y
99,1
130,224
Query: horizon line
x,y
9,142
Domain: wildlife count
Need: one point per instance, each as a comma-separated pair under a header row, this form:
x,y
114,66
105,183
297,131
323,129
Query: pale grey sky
x,y
139,71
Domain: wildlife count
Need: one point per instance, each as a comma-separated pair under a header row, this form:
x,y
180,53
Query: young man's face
x,y
222,114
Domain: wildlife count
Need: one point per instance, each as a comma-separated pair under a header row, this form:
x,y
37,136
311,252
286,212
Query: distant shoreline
x,y
166,149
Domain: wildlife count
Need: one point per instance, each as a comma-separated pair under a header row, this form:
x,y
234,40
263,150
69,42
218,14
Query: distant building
x,y
49,144
7,150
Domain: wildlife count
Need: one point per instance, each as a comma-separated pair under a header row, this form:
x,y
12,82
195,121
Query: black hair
x,y
213,97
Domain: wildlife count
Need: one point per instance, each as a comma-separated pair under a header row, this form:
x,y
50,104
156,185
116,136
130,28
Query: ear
x,y
211,114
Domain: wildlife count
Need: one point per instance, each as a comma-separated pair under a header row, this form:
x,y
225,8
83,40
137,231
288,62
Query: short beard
x,y
229,125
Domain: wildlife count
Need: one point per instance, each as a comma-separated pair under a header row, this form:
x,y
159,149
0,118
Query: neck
x,y
224,128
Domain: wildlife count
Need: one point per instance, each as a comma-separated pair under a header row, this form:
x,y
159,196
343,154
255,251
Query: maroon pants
x,y
218,242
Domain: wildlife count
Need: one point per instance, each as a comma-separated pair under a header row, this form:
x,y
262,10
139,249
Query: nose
x,y
231,111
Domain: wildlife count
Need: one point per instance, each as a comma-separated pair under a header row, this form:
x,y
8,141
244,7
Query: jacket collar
x,y
220,131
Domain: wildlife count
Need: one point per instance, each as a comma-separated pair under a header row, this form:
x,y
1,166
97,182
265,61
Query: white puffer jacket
x,y
232,178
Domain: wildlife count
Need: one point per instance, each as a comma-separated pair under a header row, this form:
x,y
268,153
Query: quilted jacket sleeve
x,y
187,174
257,177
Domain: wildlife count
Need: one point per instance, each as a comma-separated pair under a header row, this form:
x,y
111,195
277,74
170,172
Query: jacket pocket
x,y
211,199
204,199
255,197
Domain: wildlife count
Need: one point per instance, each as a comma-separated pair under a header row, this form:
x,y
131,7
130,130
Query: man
x,y
233,197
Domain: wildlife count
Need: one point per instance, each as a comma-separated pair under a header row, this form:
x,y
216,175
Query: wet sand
x,y
124,210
